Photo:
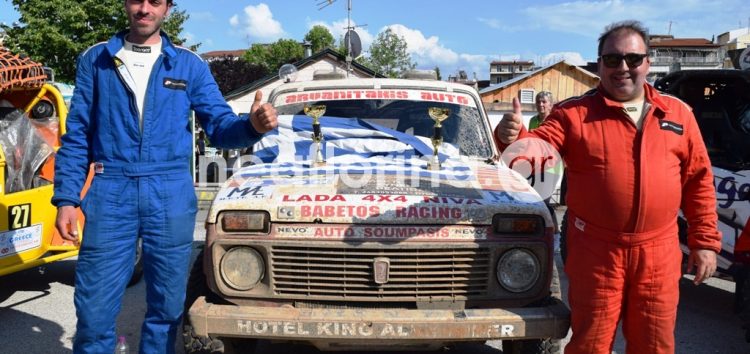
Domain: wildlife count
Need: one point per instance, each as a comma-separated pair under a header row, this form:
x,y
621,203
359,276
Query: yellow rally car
x,y
32,118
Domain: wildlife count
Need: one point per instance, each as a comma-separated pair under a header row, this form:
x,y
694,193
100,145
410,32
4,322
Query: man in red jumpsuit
x,y
634,158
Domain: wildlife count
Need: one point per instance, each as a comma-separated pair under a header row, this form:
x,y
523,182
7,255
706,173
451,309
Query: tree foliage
x,y
388,55
320,38
273,56
55,32
232,73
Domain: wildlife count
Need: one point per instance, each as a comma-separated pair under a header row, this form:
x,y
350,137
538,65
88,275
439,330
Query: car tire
x,y
239,345
194,344
742,299
563,237
532,346
138,267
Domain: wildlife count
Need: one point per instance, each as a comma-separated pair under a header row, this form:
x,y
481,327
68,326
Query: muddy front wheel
x,y
532,346
195,344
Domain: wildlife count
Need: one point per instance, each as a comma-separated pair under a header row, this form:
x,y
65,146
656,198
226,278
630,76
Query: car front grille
x,y
417,272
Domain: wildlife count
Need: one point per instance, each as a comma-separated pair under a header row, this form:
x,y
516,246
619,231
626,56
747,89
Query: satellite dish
x,y
745,59
288,73
356,43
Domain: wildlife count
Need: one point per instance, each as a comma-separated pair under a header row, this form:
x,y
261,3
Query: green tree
x,y
258,54
437,73
173,27
341,47
320,38
55,32
273,56
232,73
388,55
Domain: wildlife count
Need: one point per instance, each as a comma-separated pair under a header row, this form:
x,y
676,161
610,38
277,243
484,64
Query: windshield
x,y
404,111
722,109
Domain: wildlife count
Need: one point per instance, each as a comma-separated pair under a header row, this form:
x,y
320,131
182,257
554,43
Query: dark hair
x,y
169,2
623,26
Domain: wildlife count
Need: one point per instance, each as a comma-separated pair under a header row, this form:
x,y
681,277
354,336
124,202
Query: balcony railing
x,y
708,61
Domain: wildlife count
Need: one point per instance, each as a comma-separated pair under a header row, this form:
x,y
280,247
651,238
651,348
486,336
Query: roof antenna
x,y
353,43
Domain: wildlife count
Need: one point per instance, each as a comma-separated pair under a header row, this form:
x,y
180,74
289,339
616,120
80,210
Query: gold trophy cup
x,y
315,112
438,114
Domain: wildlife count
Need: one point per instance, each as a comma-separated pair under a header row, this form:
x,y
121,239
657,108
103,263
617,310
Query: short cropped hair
x,y
543,94
169,2
624,26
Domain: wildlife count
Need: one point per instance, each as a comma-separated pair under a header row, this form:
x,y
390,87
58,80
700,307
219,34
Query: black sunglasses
x,y
633,60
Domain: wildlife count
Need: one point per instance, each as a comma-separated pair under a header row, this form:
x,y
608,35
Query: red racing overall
x,y
625,188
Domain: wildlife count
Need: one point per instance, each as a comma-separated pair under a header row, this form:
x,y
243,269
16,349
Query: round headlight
x,y
518,270
242,268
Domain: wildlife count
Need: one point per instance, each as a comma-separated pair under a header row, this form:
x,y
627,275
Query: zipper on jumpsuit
x,y
129,84
639,219
122,71
154,69
639,165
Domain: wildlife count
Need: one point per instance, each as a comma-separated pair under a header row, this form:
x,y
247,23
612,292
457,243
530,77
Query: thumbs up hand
x,y
510,126
262,117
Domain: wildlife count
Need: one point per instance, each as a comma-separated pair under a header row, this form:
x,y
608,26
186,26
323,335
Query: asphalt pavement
x,y
37,315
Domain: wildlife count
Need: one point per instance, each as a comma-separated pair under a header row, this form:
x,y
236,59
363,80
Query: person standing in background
x,y
544,102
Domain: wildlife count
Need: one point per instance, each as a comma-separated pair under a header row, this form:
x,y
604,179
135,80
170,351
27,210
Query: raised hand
x,y
262,116
510,126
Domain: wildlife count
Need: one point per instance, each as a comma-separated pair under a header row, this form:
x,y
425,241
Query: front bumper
x,y
375,325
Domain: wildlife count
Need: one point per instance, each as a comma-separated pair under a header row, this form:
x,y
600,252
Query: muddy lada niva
x,y
376,217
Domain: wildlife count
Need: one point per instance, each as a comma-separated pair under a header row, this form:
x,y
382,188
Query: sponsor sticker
x,y
420,187
357,329
671,126
378,94
175,84
382,232
141,49
20,240
246,191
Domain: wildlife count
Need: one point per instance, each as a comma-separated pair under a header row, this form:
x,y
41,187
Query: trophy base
x,y
433,165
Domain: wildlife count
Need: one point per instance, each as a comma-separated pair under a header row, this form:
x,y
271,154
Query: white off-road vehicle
x,y
376,217
721,103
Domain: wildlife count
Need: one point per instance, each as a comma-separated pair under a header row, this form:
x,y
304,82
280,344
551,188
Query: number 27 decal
x,y
19,216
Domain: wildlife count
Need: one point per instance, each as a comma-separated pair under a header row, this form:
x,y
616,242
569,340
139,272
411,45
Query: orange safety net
x,y
17,71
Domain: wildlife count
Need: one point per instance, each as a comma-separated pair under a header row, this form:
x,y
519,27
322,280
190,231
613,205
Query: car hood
x,y
382,191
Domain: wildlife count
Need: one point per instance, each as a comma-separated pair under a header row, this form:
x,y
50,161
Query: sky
x,y
453,35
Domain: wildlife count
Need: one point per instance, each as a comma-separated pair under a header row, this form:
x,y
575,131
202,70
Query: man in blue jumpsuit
x,y
130,118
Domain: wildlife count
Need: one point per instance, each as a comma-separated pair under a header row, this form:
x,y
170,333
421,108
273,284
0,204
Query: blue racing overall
x,y
142,185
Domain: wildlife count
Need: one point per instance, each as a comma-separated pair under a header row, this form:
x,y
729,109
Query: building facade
x,y
735,39
505,70
668,54
562,79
